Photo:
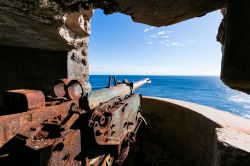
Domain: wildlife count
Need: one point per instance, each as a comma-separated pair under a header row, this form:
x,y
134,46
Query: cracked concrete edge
x,y
234,130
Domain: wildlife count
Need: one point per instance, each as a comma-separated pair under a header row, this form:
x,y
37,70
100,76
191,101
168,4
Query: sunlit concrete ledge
x,y
222,118
195,134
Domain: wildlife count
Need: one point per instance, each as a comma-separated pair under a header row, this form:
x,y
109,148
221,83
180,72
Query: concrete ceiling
x,y
34,24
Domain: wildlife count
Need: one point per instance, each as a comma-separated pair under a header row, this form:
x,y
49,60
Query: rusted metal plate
x,y
66,149
26,151
59,131
24,99
112,122
12,124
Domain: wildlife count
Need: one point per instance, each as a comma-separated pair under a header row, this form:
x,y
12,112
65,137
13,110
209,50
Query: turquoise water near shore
x,y
206,90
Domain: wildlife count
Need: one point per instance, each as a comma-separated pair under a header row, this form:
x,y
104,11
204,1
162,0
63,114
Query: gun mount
x,y
73,128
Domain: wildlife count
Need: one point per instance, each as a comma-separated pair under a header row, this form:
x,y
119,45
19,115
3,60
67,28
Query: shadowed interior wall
x,y
26,68
42,41
182,133
235,70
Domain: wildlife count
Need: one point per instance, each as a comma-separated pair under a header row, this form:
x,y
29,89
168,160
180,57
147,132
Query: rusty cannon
x,y
73,127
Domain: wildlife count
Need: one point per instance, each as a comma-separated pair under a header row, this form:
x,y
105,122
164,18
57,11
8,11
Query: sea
x,y
205,90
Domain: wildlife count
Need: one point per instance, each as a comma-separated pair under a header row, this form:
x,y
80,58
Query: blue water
x,y
204,90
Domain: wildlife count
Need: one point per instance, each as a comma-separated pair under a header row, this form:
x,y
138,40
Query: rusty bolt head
x,y
102,120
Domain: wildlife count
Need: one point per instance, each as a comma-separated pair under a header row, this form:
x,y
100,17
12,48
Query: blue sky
x,y
120,46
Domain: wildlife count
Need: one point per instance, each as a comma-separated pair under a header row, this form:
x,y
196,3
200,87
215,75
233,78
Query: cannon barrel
x,y
121,90
140,83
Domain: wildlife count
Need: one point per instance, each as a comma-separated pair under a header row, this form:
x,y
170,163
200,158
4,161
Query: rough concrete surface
x,y
235,69
36,24
42,41
183,133
162,12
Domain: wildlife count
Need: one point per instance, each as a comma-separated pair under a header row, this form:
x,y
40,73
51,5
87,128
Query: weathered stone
x,y
19,31
34,24
161,12
221,31
42,41
78,24
235,69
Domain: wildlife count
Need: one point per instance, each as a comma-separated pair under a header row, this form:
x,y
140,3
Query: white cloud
x,y
161,33
164,42
177,44
165,36
169,31
148,29
181,45
153,36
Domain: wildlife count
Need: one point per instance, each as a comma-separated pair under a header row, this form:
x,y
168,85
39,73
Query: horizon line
x,y
153,75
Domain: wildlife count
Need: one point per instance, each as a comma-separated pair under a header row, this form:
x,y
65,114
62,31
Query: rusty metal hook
x,y
110,81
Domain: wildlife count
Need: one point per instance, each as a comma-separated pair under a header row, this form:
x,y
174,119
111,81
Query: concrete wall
x,y
26,68
235,69
40,43
182,133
